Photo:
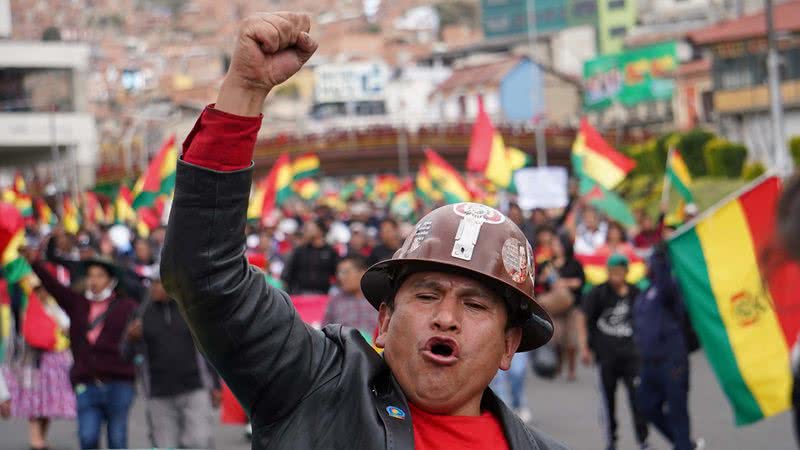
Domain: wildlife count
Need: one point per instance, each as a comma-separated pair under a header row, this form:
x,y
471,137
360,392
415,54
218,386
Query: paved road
x,y
565,410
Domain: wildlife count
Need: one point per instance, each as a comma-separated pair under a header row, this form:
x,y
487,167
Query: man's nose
x,y
448,314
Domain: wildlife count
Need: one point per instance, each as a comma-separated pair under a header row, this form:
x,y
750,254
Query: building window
x,y
617,32
584,8
741,72
616,4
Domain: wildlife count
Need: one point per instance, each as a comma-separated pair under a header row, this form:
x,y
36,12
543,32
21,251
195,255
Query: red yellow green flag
x,y
403,203
593,157
425,188
92,209
44,213
678,173
306,188
123,206
386,186
159,178
305,166
72,218
272,190
448,181
741,299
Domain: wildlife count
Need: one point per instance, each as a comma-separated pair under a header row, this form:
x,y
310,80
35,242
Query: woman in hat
x,y
38,373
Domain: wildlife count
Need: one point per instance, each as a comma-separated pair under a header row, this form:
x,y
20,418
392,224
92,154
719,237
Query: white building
x,y
43,104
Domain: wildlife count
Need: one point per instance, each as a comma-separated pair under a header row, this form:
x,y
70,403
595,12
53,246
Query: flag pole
x,y
667,181
724,201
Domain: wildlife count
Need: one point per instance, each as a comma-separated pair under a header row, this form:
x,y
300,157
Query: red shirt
x,y
433,431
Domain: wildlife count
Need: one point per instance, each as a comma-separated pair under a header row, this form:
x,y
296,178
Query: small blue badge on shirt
x,y
396,412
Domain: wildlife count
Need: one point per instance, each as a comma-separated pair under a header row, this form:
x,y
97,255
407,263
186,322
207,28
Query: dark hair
x,y
358,261
614,224
389,220
545,227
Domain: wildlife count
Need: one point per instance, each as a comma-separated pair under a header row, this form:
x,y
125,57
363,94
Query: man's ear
x,y
384,316
512,339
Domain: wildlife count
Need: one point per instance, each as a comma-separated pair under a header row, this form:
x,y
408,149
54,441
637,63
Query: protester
x,y
103,381
648,235
616,242
509,385
606,336
390,241
659,320
591,233
38,378
182,389
312,266
788,222
444,326
358,244
348,306
566,274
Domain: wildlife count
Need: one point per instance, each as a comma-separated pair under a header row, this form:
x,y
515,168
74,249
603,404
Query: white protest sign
x,y
541,187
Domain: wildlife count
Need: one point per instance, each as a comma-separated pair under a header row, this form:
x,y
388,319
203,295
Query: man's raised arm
x,y
249,331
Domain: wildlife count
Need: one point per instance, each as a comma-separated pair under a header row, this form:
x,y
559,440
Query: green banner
x,y
635,76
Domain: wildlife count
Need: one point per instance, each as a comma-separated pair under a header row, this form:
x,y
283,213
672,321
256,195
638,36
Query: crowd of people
x,y
102,287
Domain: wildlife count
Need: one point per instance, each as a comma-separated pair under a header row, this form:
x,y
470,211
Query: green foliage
x,y
646,157
794,148
458,12
753,170
691,147
724,158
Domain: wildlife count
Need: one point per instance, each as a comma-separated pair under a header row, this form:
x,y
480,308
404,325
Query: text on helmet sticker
x,y
420,234
516,260
474,216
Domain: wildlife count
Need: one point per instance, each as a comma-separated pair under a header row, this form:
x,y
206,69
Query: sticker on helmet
x,y
489,215
516,260
474,216
420,234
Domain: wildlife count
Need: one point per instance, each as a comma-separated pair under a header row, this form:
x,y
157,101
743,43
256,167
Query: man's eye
x,y
475,305
426,296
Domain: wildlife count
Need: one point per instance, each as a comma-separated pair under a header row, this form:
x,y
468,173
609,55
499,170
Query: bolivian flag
x,y
746,326
72,218
305,166
425,187
159,178
23,200
403,203
307,188
595,158
595,268
272,190
386,186
449,182
43,211
92,209
123,206
678,173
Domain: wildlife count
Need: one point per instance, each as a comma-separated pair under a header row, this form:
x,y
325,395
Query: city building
x,y
737,50
612,19
43,108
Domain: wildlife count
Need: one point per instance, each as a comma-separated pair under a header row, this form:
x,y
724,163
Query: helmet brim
x,y
379,283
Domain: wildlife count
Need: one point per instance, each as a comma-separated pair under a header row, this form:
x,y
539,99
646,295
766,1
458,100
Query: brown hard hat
x,y
475,240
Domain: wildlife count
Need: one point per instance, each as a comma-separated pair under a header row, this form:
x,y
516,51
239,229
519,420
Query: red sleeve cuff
x,y
222,141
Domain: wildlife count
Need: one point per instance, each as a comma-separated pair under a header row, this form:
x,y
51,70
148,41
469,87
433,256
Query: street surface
x,y
567,411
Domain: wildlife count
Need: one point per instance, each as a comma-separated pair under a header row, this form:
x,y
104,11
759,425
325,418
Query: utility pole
x,y
539,122
55,169
780,153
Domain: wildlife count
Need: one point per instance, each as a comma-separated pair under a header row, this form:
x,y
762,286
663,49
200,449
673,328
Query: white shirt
x,y
587,242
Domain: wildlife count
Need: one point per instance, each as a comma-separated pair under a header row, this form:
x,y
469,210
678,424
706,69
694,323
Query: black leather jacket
x,y
303,388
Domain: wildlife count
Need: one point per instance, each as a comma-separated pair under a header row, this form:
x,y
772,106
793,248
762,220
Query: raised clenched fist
x,y
270,48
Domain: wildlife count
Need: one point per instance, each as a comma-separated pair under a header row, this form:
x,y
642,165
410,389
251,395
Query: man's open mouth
x,y
441,350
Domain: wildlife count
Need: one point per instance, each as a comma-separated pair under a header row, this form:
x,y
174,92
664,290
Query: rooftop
x,y
787,18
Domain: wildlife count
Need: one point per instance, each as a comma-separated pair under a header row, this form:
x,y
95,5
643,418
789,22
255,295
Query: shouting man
x,y
455,301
